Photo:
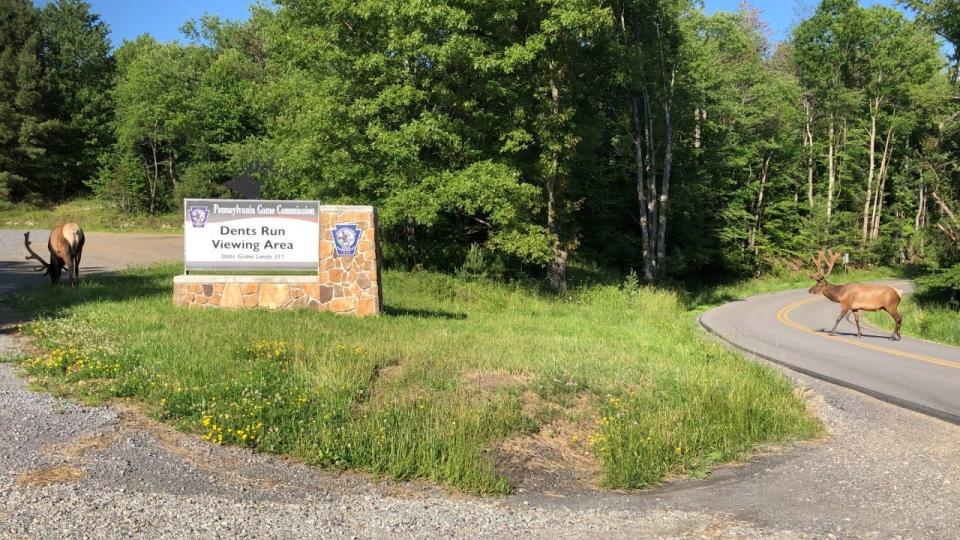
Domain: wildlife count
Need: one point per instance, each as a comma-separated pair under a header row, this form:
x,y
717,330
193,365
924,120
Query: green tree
x,y
944,17
823,48
432,112
77,60
23,124
551,74
157,84
937,164
181,112
650,63
538,132
745,143
892,59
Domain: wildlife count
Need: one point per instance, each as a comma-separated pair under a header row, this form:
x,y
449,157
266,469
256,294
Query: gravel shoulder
x,y
70,470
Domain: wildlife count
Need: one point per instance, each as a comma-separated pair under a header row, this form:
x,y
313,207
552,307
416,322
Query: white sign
x,y
223,233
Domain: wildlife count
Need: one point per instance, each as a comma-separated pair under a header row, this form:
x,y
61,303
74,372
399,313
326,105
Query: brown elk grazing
x,y
66,246
856,297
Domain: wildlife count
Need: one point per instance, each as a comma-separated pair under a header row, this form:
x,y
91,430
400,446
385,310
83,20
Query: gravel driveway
x,y
68,470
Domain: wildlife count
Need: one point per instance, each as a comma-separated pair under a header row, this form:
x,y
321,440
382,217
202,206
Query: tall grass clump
x,y
403,395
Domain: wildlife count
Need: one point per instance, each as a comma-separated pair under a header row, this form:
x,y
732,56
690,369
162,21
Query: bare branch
x,y
943,206
950,233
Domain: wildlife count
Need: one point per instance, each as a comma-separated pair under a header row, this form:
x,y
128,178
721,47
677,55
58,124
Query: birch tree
x,y
650,52
823,47
893,57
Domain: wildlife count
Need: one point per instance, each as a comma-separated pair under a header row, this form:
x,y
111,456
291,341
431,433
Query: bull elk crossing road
x,y
789,328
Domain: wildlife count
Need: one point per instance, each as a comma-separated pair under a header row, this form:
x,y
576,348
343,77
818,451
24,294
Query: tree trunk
x,y
638,125
411,252
696,127
872,142
173,177
952,228
557,271
878,207
557,268
944,208
752,242
808,142
653,202
831,168
665,182
153,179
918,221
882,182
920,203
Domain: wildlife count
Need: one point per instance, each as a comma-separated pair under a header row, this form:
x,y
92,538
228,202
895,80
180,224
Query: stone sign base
x,y
271,292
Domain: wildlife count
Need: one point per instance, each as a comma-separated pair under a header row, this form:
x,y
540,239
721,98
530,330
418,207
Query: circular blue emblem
x,y
346,236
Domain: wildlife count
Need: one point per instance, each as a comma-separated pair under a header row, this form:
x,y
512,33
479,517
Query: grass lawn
x,y
453,376
91,214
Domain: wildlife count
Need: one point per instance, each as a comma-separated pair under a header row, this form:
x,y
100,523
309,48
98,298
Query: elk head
x,y
65,246
821,277
48,269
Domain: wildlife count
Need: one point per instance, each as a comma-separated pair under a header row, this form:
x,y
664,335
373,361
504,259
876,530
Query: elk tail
x,y
899,292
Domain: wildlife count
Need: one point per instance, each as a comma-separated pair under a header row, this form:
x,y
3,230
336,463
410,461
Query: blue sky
x,y
160,18
163,18
783,15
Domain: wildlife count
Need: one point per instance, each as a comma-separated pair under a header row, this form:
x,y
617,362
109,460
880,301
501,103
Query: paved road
x,y
788,328
102,252
72,471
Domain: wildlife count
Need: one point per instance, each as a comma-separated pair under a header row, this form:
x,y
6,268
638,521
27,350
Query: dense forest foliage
x,y
515,136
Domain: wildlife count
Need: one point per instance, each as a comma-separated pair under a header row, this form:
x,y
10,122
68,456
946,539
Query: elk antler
x,y
817,262
833,260
33,254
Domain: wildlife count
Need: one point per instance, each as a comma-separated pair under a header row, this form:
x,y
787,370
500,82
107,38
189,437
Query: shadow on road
x,y
885,337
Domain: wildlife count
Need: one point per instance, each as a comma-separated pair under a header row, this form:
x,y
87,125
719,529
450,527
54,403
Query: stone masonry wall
x,y
345,284
355,280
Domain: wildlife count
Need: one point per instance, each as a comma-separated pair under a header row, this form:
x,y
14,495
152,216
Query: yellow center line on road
x,y
784,317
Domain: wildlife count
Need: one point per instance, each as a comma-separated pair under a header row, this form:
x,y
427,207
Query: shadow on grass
x,y
704,296
46,299
580,275
394,311
37,297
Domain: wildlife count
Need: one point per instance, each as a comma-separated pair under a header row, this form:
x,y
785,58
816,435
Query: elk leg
x,y
856,317
76,268
898,318
843,313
